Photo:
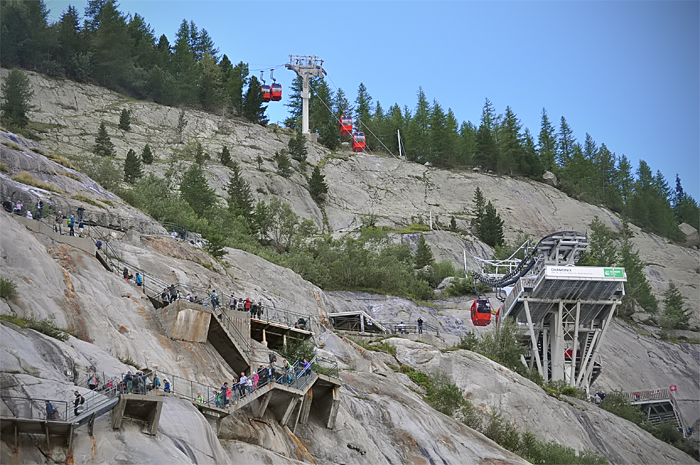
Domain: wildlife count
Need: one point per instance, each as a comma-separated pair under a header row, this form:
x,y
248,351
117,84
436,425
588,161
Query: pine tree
x,y
297,147
240,198
195,190
259,161
284,166
492,226
565,143
147,155
317,185
486,149
125,120
685,208
225,156
424,256
547,143
601,248
453,224
103,144
15,101
674,315
132,167
637,287
210,83
253,108
199,155
479,210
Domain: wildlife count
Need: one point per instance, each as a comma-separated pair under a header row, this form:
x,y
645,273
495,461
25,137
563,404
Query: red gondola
x,y
345,125
276,91
265,91
481,312
358,142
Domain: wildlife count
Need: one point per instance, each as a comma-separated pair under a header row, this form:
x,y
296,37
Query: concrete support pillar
x,y
289,410
264,401
362,323
306,406
333,412
118,413
154,419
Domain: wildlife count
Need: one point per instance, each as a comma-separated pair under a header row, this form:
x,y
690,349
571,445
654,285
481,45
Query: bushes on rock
x,y
8,288
46,326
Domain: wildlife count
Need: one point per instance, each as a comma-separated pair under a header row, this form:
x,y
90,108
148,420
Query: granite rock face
x,y
383,417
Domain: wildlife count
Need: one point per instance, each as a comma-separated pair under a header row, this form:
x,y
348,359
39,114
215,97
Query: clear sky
x,y
626,72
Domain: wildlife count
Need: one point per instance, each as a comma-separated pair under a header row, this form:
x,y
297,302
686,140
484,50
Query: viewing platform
x,y
659,405
226,332
142,407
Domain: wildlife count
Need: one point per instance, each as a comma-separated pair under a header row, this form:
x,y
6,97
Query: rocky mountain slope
x,y
383,418
396,192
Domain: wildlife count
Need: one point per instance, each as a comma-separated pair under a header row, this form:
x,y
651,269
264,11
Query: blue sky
x,y
626,72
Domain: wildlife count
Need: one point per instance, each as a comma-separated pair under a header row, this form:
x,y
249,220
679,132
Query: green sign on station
x,y
614,272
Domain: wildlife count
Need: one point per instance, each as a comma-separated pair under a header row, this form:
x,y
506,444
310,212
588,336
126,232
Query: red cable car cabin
x,y
345,125
358,142
481,312
276,92
265,91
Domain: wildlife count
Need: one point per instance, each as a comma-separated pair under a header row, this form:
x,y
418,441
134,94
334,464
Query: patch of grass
x,y
8,288
127,360
3,168
46,326
384,347
412,228
108,203
87,200
73,176
26,178
12,145
38,150
61,160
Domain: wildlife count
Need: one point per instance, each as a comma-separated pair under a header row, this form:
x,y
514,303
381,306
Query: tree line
x,y
586,170
121,52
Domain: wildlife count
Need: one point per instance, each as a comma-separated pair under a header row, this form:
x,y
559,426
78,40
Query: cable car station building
x,y
567,309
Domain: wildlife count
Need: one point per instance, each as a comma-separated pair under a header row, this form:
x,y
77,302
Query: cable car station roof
x,y
596,289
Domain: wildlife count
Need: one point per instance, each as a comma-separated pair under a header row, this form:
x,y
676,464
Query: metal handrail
x,y
41,409
410,328
185,388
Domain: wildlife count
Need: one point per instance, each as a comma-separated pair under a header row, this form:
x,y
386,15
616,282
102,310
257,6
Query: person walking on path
x,y
81,210
214,297
59,223
79,400
420,325
51,412
39,209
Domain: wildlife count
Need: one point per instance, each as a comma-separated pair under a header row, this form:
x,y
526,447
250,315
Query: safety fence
x,y
296,376
34,408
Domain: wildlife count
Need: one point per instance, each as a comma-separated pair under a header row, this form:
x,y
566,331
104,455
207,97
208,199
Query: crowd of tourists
x,y
75,224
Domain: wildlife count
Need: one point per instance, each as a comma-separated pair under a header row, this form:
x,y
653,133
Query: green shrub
x,y
469,342
298,349
8,288
46,326
622,407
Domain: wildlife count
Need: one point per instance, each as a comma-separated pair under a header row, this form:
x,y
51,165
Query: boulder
x,y
692,239
641,317
549,178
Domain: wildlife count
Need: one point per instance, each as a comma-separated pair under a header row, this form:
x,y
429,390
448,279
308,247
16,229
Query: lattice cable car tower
x,y
567,309
306,66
